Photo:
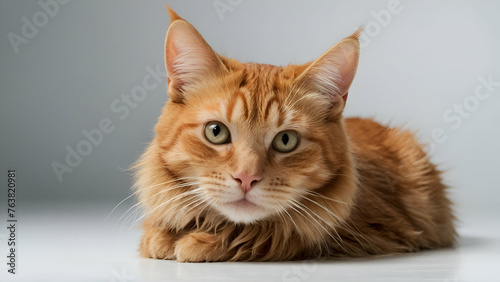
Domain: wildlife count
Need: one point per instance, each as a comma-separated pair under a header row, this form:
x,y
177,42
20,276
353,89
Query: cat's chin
x,y
243,211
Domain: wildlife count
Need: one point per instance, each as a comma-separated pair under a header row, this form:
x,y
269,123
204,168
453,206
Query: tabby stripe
x,y
254,114
268,106
199,150
172,174
243,82
298,159
232,103
281,118
181,128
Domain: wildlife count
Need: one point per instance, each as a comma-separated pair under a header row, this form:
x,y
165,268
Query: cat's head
x,y
254,140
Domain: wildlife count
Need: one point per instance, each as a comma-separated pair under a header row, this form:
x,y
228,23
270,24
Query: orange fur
x,y
352,187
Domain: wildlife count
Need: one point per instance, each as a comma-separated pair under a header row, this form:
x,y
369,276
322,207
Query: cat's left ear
x,y
329,77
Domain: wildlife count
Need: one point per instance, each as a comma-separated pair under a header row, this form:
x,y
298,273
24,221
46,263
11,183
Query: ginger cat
x,y
255,162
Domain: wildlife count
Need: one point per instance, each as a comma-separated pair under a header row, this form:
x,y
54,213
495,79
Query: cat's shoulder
x,y
357,123
365,128
364,131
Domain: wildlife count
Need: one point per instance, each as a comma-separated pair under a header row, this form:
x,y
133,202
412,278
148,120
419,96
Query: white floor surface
x,y
75,242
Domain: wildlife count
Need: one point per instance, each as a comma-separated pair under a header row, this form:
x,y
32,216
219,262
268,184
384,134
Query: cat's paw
x,y
199,247
158,243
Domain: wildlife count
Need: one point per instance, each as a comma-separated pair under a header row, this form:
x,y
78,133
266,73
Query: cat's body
x,y
256,162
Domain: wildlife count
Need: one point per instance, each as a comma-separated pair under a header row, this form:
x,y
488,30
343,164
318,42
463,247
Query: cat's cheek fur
x,y
311,176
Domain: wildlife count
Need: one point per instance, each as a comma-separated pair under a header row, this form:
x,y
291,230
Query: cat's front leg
x,y
200,247
158,243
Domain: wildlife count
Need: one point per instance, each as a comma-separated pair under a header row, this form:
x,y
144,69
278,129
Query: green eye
x,y
217,133
286,141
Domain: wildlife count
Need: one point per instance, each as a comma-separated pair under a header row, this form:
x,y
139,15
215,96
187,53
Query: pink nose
x,y
246,181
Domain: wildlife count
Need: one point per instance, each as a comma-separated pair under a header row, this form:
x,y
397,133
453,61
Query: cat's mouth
x,y
243,203
243,211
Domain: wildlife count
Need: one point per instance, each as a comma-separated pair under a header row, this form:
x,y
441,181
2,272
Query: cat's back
x,y
388,157
387,145
365,131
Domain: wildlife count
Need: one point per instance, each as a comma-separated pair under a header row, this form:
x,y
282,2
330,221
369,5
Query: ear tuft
x,y
357,33
173,15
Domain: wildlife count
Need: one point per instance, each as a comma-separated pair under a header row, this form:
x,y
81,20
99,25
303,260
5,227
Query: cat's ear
x,y
329,77
188,57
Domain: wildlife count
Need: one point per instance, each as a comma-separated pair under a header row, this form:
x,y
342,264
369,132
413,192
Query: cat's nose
x,y
246,181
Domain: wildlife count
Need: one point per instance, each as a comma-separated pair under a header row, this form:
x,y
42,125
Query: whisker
x,y
115,164
349,229
199,203
292,90
314,193
283,209
301,214
138,191
187,193
323,207
303,207
298,100
359,234
157,193
281,216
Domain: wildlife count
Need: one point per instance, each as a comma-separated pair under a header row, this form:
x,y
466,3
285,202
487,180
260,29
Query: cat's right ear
x,y
188,57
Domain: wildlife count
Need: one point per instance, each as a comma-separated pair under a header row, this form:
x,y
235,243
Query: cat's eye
x,y
286,141
217,133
